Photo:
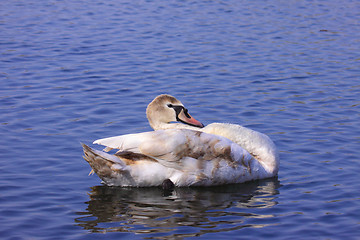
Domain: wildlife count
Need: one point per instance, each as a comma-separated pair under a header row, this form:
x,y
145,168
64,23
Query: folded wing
x,y
172,147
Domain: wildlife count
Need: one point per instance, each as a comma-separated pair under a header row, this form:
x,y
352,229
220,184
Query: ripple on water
x,y
73,72
205,210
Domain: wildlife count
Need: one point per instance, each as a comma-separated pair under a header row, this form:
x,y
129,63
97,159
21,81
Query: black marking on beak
x,y
178,110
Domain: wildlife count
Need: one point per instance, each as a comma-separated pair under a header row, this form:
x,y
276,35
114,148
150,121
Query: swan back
x,y
259,145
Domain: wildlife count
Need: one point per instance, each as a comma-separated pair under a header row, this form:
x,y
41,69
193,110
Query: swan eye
x,y
170,105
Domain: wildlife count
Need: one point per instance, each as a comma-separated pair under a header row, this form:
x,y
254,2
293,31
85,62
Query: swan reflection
x,y
193,210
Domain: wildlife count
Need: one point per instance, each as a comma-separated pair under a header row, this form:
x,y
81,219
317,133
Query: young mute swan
x,y
183,152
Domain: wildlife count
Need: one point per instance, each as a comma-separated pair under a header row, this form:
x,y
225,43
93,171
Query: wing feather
x,y
173,147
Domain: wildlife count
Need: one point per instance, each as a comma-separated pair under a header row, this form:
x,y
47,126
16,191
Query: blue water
x,y
75,71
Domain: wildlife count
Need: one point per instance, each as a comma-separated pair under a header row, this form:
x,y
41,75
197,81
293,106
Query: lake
x,y
76,71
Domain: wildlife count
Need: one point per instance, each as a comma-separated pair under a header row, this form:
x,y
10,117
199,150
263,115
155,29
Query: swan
x,y
181,151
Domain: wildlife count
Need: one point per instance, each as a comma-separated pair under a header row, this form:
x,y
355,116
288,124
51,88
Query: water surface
x,y
73,72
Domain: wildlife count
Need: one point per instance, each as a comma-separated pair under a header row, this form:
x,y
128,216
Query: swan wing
x,y
176,148
184,156
155,143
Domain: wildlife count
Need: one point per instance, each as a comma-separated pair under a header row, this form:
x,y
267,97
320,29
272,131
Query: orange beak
x,y
185,117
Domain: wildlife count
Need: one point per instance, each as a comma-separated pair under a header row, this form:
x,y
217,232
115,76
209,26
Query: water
x,y
73,72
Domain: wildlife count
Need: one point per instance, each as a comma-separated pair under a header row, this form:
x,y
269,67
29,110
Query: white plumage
x,y
188,155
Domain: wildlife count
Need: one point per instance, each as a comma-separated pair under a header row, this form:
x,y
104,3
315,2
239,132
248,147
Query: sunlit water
x,y
75,71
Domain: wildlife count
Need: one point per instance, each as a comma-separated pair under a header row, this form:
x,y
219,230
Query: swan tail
x,y
110,168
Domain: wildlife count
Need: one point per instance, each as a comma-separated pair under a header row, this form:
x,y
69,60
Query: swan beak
x,y
188,119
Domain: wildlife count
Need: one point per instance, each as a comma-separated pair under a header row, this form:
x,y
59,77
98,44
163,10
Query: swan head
x,y
165,109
